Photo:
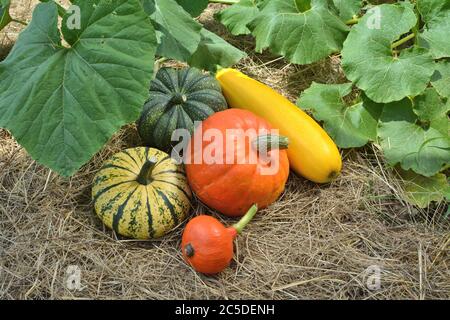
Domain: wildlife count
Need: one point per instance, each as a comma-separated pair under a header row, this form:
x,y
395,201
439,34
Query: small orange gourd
x,y
207,245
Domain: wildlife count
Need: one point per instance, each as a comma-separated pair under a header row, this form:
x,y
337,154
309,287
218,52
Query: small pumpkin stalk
x,y
144,177
207,245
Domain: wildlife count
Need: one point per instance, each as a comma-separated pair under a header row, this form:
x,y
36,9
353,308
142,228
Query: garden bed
x,y
316,242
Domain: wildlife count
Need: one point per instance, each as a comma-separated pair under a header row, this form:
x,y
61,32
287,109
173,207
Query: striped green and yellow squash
x,y
141,193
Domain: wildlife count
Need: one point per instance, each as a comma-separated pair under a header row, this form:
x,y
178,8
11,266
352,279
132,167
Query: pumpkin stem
x,y
240,225
177,98
268,142
144,175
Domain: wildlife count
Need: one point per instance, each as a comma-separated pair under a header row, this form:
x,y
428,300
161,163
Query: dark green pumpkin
x,y
177,99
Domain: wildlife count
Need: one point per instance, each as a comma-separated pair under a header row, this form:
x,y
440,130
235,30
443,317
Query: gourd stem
x,y
239,226
144,176
268,142
177,98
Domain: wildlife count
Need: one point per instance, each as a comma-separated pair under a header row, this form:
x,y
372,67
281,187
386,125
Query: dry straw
x,y
314,243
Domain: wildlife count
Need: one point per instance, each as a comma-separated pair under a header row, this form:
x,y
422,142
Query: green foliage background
x,y
396,58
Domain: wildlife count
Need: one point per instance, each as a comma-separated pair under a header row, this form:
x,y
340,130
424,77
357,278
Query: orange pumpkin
x,y
233,161
207,245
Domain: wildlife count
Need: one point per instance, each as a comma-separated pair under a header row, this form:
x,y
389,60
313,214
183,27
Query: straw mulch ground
x,y
314,243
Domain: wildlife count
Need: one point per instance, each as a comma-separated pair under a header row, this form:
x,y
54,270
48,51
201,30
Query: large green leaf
x,y
420,145
432,110
436,15
369,61
63,103
301,36
238,16
441,78
349,126
194,7
5,18
178,34
420,190
348,8
213,51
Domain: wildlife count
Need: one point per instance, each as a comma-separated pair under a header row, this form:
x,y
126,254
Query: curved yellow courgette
x,y
311,152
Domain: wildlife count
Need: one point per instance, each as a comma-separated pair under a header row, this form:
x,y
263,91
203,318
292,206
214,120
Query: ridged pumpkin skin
x,y
231,188
177,99
312,153
136,210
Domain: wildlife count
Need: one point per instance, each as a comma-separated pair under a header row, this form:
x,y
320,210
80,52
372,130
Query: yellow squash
x,y
311,152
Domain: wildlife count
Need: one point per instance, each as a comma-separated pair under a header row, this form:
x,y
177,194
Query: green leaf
x,y
441,78
400,142
436,15
5,18
432,9
194,7
178,34
349,126
432,110
301,37
348,8
404,141
421,191
302,5
398,111
61,9
213,51
62,104
369,61
238,16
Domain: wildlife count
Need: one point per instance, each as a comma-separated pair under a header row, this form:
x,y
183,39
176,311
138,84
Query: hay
x,y
314,243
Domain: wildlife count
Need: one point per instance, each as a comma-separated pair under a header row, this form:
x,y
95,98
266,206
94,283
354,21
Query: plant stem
x,y
352,21
19,21
146,171
402,41
224,1
161,60
158,65
246,219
